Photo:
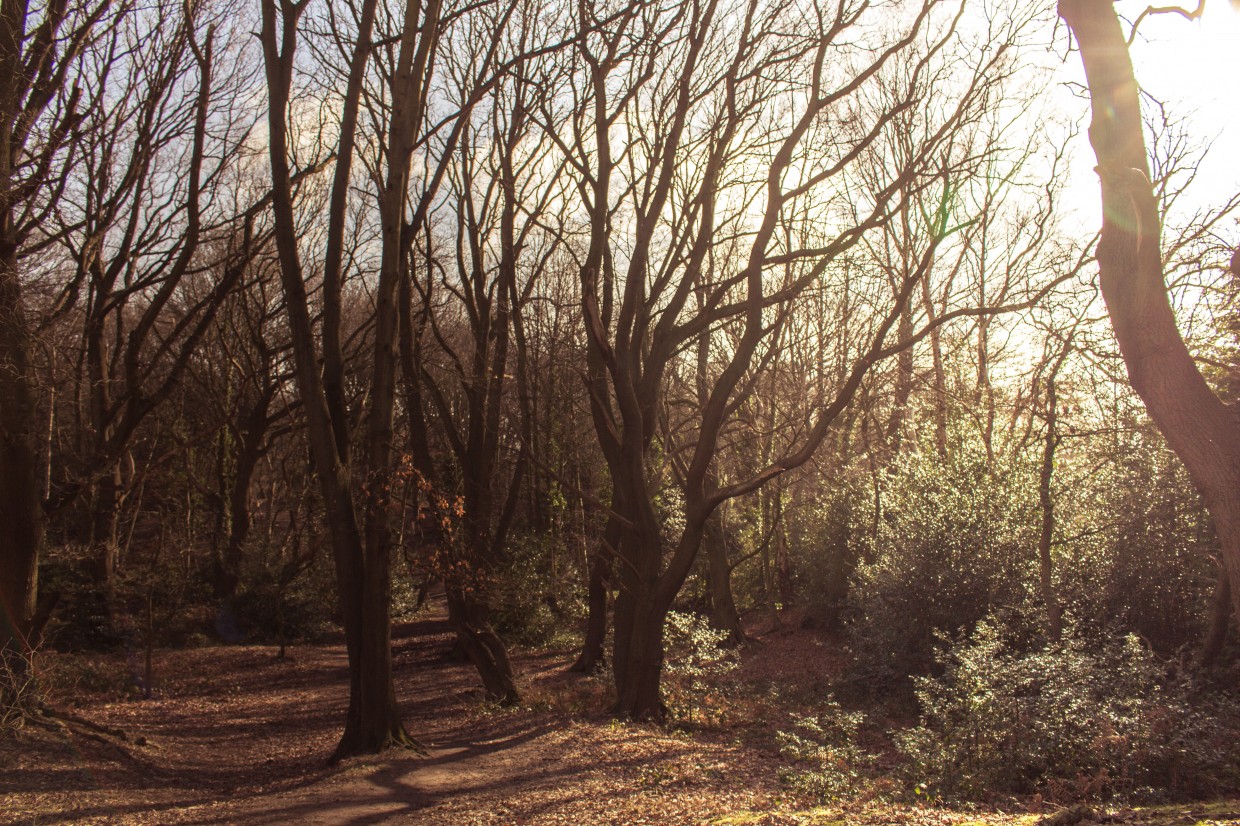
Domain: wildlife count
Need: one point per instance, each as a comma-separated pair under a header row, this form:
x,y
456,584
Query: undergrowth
x,y
1081,719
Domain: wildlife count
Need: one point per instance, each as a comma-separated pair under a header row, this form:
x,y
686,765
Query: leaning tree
x,y
1199,426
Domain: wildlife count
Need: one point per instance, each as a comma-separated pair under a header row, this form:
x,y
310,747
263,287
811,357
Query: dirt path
x,y
237,736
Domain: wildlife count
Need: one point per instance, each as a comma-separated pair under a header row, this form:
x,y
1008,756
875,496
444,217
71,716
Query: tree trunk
x,y
21,512
638,657
1200,428
904,385
1054,622
469,618
783,560
724,616
637,650
105,538
248,446
591,656
1220,621
363,573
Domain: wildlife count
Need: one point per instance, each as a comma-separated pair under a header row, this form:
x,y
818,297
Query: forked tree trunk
x,y
1198,426
363,573
647,590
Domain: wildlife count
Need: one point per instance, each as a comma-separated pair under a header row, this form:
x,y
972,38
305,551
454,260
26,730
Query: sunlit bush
x,y
827,761
1142,546
697,655
1079,719
953,541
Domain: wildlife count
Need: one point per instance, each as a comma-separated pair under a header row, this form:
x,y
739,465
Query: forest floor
x,y
233,734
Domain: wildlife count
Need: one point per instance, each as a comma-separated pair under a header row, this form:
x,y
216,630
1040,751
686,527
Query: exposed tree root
x,y
396,738
96,728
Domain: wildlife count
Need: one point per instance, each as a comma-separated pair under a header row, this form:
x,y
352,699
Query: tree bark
x,y
1220,621
641,605
724,615
903,386
638,655
592,656
1198,426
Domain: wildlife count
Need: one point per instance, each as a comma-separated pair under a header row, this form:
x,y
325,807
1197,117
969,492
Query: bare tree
x,y
360,510
469,303
40,107
243,373
155,238
690,89
363,573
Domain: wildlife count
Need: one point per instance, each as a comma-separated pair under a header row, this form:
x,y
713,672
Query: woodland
x,y
628,411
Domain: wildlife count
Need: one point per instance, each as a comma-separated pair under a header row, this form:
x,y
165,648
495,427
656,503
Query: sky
x,y
1193,67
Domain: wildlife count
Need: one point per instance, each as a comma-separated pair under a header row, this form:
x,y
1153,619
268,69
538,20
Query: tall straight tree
x,y
363,573
358,481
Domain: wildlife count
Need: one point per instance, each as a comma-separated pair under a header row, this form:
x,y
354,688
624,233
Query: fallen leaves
x,y
235,735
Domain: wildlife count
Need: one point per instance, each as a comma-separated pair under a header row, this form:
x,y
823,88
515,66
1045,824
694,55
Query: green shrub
x,y
828,763
287,594
828,540
1145,557
697,656
80,621
267,612
952,543
535,601
1079,719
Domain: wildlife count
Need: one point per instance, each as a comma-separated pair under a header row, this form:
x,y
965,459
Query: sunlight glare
x,y
1192,66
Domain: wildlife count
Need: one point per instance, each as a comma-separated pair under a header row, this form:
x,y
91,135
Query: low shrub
x,y
20,691
828,763
697,657
1080,719
535,602
951,545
